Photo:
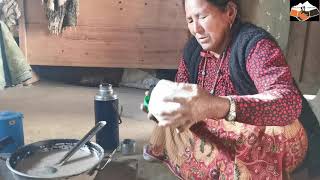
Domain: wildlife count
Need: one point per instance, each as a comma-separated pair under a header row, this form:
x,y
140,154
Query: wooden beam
x,y
305,48
296,48
90,46
22,29
23,41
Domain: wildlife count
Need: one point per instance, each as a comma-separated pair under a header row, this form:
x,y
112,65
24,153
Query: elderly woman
x,y
238,108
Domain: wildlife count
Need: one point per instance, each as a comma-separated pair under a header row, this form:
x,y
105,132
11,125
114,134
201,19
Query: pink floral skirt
x,y
218,149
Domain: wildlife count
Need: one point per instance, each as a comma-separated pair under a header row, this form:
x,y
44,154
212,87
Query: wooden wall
x,y
303,55
110,33
143,34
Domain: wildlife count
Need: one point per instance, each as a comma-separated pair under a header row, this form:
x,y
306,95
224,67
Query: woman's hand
x,y
181,105
192,106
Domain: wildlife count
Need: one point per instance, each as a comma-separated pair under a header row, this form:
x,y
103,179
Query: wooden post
x,y
296,48
23,40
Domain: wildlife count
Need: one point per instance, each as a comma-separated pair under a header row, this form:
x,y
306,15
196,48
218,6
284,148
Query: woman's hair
x,y
222,4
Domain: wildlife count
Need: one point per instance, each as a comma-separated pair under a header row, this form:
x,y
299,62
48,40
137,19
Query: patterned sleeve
x,y
278,102
182,73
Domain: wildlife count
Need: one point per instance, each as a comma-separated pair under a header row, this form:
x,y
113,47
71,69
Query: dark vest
x,y
245,37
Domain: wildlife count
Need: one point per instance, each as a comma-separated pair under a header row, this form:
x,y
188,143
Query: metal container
x,y
106,105
36,149
11,127
5,174
128,147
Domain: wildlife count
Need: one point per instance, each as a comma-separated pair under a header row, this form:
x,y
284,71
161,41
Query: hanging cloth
x,y
10,14
14,68
61,14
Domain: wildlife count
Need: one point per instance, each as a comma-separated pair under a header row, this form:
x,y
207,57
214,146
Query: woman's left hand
x,y
195,104
192,107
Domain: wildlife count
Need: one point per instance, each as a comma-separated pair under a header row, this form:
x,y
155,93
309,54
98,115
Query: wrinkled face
x,y
209,24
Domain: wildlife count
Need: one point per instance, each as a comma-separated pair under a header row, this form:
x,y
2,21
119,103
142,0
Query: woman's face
x,y
209,24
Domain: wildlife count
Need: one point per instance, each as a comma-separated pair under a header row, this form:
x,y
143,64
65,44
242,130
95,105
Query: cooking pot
x,y
26,158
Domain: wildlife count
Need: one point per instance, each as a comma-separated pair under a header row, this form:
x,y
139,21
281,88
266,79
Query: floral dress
x,y
266,141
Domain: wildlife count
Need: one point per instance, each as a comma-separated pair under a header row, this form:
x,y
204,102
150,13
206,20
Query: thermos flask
x,y
106,109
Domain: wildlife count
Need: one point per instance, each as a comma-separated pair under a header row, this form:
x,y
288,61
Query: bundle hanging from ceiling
x,y
61,14
10,14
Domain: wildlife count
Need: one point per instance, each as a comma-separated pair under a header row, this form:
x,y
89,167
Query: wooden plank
x,y
22,29
311,73
91,46
120,13
303,53
295,51
131,34
23,41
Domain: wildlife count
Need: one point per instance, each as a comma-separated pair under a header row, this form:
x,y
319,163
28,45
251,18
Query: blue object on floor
x,y
11,127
